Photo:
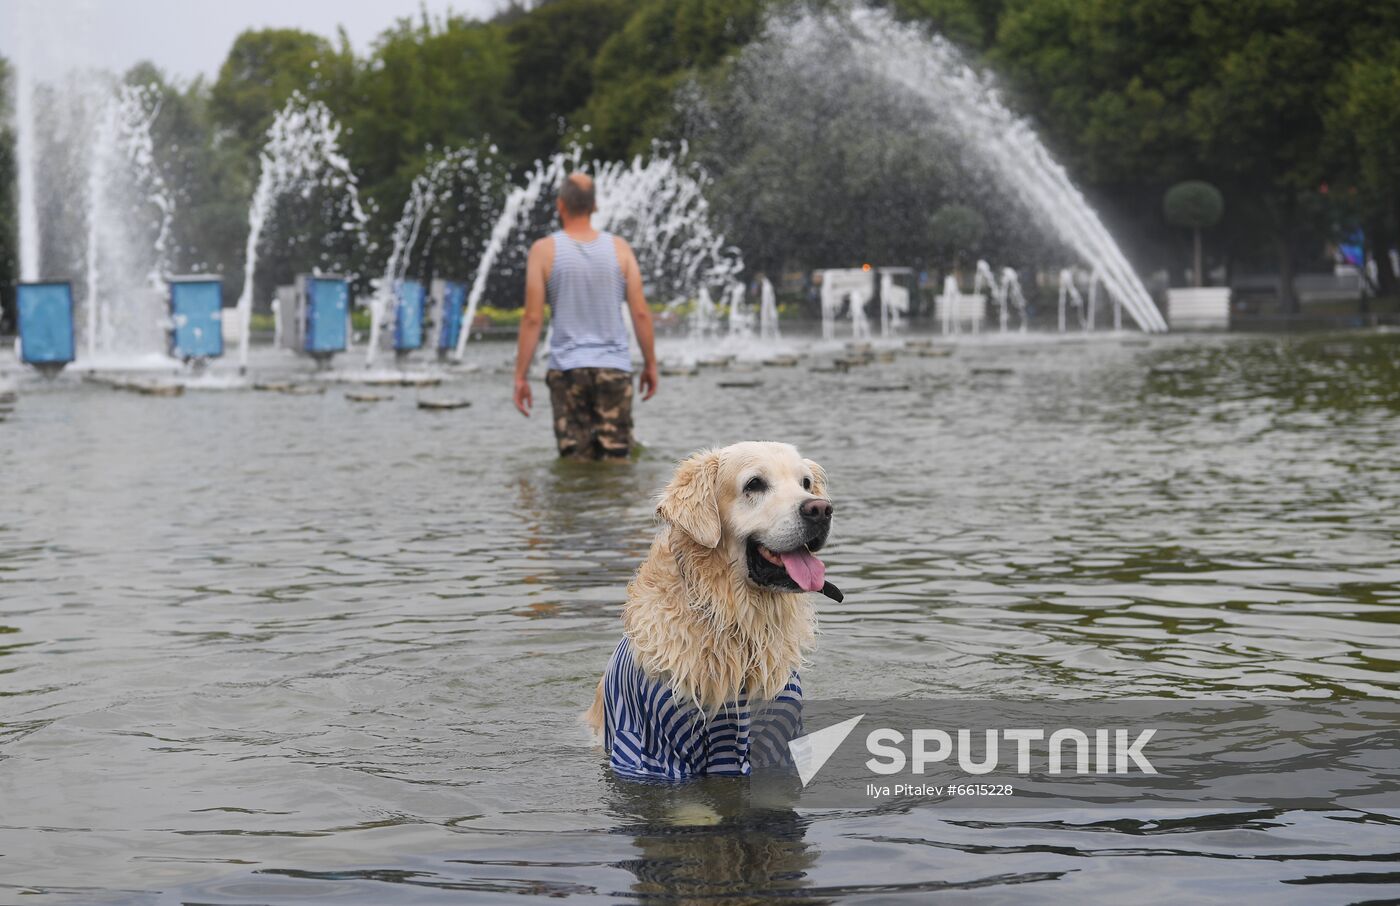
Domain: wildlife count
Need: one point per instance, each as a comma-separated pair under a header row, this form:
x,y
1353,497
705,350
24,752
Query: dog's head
x,y
761,504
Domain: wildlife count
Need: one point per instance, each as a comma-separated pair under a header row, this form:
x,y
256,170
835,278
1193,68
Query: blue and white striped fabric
x,y
586,290
649,734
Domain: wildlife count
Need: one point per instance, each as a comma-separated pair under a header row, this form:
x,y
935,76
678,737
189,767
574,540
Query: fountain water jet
x,y
25,161
860,323
740,319
768,311
428,192
1096,283
656,202
967,108
1070,293
1007,289
518,201
302,153
123,267
894,302
704,319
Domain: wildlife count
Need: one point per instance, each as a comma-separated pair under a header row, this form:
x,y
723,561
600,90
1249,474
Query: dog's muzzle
x,y
797,569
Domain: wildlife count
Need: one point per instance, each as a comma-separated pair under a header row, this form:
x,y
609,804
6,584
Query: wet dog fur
x,y
712,610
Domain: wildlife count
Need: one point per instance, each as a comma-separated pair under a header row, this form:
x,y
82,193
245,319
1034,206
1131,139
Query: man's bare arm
x,y
641,318
531,320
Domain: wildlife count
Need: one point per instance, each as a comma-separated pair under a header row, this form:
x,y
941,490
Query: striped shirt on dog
x,y
648,733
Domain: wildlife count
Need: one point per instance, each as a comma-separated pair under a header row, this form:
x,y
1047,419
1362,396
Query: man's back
x,y
586,290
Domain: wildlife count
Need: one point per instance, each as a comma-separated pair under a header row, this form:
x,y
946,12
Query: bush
x,y
1195,204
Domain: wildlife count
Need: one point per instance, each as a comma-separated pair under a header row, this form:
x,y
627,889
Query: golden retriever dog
x,y
718,617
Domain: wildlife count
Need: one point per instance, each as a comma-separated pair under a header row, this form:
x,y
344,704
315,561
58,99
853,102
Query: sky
x,y
185,38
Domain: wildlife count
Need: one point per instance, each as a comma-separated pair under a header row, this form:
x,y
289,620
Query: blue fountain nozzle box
x,y
46,323
196,317
449,300
327,323
408,322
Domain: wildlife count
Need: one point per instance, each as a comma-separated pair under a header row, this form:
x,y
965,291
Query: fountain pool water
x,y
362,682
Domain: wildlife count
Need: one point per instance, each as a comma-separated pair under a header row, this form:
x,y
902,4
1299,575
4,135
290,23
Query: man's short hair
x,y
578,199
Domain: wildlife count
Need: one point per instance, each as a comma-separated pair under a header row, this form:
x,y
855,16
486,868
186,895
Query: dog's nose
x,y
815,510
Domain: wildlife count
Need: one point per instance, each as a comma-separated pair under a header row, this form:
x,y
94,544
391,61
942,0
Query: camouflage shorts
x,y
592,411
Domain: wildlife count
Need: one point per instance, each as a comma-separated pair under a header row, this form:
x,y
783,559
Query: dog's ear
x,y
818,478
691,501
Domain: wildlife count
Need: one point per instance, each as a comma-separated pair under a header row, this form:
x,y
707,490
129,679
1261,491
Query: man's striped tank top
x,y
586,291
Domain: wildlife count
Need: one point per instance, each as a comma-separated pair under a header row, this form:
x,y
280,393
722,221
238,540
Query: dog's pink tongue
x,y
807,571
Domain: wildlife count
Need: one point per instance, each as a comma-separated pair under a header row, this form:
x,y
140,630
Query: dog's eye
x,y
806,484
755,486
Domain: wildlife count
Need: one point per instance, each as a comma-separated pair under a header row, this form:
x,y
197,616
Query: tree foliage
x,y
1141,94
1194,203
551,70
663,44
1290,107
262,70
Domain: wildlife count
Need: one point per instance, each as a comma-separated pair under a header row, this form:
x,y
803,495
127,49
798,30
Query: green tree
x,y
820,161
1364,123
664,44
426,85
1142,94
968,23
1108,85
264,67
208,177
1258,118
551,74
1195,205
955,231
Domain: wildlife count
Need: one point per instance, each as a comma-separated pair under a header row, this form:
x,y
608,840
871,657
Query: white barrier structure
x,y
954,308
856,287
838,285
1199,308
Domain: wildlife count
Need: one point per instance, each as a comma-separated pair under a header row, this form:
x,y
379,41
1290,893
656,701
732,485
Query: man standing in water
x,y
585,274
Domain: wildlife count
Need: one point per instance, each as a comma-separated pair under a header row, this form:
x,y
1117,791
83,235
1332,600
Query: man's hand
x,y
524,399
650,378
